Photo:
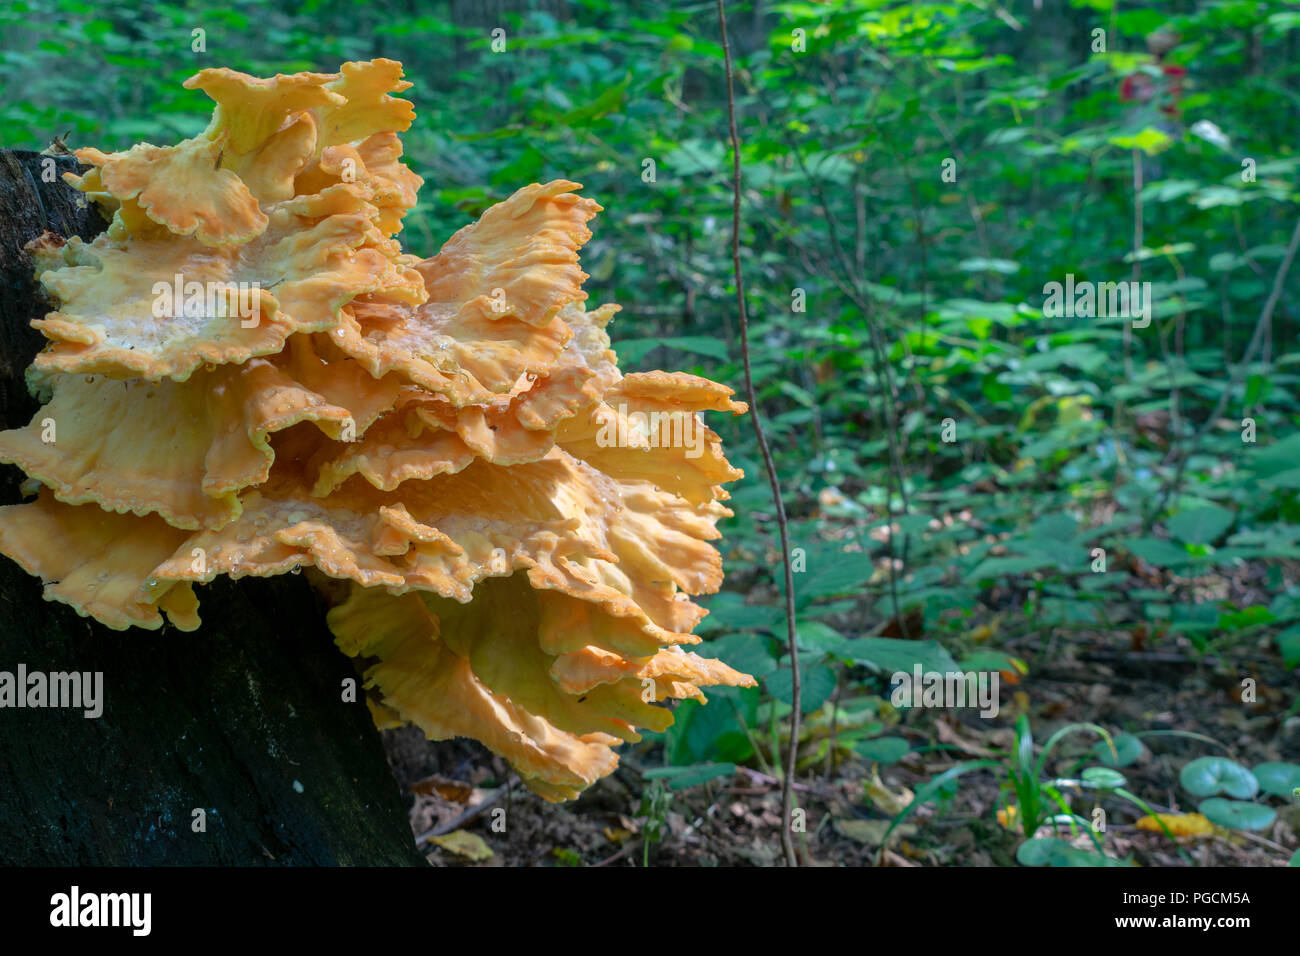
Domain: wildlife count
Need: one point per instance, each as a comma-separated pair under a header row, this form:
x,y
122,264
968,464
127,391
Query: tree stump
x,y
240,725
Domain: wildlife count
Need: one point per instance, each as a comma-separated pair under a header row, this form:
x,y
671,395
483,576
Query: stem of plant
x,y
787,781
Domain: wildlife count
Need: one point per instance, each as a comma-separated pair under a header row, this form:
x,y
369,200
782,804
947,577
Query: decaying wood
x,y
241,725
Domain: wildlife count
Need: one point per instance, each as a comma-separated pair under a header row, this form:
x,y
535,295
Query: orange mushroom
x,y
246,376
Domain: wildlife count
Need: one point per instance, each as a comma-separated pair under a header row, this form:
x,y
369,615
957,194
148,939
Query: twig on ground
x,y
470,813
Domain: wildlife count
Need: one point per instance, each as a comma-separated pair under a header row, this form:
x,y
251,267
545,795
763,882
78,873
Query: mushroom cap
x,y
554,718
118,443
183,188
495,291
161,307
99,563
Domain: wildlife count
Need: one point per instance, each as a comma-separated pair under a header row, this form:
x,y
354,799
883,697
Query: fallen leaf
x,y
463,843
908,627
452,791
885,800
1179,824
872,831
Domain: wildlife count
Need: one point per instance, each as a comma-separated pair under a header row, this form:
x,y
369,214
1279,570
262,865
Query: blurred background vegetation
x,y
886,297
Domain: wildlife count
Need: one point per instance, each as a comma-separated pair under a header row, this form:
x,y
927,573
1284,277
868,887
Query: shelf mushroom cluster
x,y
245,375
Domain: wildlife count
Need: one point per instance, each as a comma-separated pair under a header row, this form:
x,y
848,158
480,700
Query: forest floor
x,y
735,821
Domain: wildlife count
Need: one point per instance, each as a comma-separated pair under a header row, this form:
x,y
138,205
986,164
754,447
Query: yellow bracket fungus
x,y
246,376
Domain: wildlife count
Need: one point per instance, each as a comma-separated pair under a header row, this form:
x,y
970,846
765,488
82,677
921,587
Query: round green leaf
x,y
1237,814
1279,779
1036,852
1127,751
1295,859
1207,776
1103,778
884,749
1050,851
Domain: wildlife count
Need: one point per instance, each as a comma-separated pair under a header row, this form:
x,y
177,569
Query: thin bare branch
x,y
787,782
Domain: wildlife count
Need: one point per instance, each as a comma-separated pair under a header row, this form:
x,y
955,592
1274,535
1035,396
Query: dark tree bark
x,y
243,719
33,198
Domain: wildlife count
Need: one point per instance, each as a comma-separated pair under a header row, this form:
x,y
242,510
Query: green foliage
x,y
1120,751
1207,776
1043,803
1211,775
1053,851
956,457
1237,814
655,802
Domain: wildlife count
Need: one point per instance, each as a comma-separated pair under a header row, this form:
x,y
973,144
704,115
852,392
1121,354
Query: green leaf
x,y
1150,141
1007,567
632,351
988,659
1103,778
884,749
698,344
729,612
1201,525
1279,779
1212,196
1001,266
1206,776
1036,852
747,653
679,778
817,683
1155,551
1052,851
713,732
1288,645
819,638
892,654
832,574
607,102
1127,751
1287,480
1237,814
